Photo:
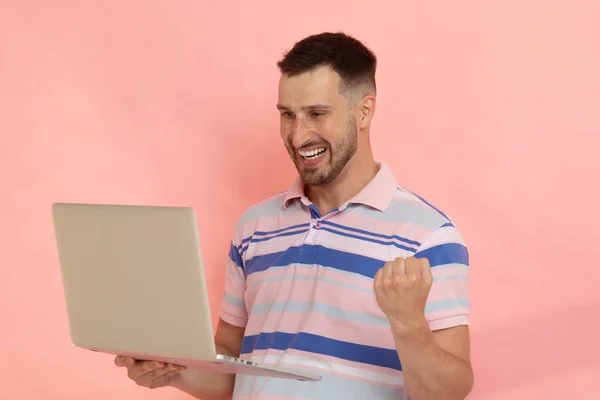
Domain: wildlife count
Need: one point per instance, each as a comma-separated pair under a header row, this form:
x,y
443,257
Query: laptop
x,y
134,285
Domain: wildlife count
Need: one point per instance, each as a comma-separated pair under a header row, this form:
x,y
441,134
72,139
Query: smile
x,y
313,154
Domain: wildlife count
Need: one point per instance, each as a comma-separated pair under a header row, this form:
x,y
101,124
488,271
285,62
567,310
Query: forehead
x,y
318,86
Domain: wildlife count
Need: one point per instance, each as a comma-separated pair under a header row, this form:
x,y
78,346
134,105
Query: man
x,y
347,273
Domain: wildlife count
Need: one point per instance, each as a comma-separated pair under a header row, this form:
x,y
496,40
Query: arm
x,y
436,365
229,335
214,386
228,341
426,302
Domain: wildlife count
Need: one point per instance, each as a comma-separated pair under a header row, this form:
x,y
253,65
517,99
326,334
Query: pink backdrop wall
x,y
172,103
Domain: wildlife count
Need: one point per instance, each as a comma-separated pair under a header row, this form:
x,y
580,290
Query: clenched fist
x,y
401,289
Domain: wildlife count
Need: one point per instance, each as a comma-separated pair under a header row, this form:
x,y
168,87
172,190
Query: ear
x,y
366,111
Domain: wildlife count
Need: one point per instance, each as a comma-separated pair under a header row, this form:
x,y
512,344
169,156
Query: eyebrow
x,y
307,108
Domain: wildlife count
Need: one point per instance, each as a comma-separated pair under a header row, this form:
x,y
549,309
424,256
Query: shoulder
x,y
441,242
435,225
268,208
411,208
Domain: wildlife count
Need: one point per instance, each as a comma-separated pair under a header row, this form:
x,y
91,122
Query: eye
x,y
317,114
287,114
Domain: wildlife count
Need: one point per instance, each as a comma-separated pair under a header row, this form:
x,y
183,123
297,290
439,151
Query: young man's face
x,y
317,126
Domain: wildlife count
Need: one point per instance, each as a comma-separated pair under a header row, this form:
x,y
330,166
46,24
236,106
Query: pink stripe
x,y
258,355
449,322
442,314
320,289
325,325
276,244
407,230
287,283
326,274
233,316
365,244
278,222
262,396
447,289
451,271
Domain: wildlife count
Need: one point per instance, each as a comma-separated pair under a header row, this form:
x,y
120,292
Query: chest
x,y
323,265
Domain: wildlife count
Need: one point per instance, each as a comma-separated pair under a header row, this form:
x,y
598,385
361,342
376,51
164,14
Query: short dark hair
x,y
352,60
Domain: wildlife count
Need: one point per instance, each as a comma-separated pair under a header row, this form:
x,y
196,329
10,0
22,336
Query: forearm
x,y
207,385
430,373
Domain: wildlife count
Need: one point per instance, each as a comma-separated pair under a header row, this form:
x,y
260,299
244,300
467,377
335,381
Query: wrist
x,y
413,331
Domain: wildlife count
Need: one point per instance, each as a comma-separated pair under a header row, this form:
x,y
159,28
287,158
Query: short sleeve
x,y
448,302
233,306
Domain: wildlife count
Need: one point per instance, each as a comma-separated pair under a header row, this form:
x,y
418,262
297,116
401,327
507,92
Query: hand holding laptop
x,y
115,255
150,374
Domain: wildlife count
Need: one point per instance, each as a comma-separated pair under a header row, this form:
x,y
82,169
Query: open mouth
x,y
313,154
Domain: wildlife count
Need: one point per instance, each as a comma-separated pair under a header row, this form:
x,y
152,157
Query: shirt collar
x,y
378,193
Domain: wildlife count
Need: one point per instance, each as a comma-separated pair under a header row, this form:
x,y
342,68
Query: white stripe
x,y
377,377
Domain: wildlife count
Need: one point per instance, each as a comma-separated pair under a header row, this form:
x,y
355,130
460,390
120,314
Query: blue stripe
x,y
264,233
264,239
447,224
314,211
235,256
449,253
411,249
312,254
311,343
245,248
413,242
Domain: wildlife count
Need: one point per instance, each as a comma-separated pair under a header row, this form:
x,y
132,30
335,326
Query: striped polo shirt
x,y
301,284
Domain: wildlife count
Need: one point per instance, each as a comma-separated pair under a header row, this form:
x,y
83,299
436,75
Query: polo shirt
x,y
301,284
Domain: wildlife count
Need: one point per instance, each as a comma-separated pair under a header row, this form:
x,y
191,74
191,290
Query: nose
x,y
301,132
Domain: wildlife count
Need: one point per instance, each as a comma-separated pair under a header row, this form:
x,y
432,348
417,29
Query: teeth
x,y
312,152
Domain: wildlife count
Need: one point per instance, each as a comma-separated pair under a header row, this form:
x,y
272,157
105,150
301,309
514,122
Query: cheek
x,y
286,138
284,131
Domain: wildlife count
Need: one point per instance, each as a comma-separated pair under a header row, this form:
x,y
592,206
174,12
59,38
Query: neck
x,y
355,176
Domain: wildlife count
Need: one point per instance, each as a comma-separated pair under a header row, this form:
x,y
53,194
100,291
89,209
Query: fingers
x,y
389,272
156,374
402,272
426,271
151,374
413,269
387,277
141,368
399,270
121,361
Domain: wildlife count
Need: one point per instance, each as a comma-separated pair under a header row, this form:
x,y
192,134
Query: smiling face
x,y
318,126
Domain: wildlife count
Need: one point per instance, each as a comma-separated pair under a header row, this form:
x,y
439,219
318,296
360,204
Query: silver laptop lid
x,y
133,279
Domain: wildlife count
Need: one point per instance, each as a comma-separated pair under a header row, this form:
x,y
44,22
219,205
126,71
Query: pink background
x,y
489,109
